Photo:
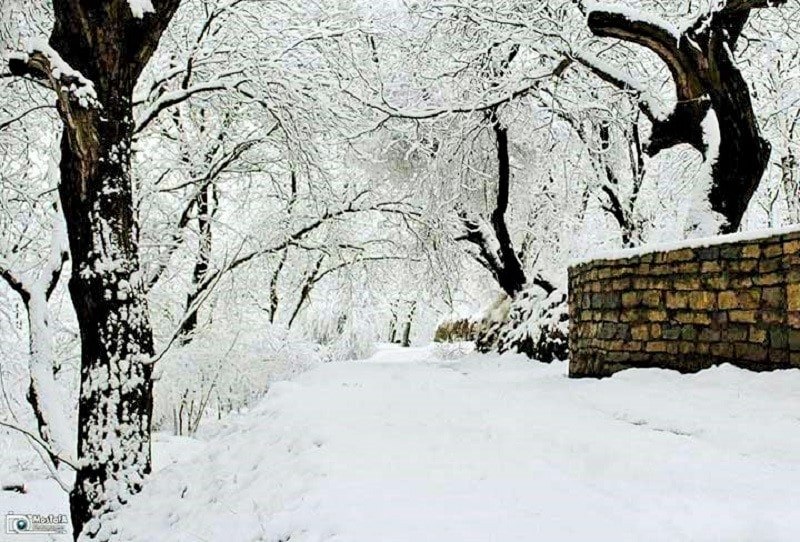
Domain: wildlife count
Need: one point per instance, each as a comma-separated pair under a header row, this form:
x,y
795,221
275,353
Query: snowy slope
x,y
404,447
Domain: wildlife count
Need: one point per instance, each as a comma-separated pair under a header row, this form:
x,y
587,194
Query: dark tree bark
x,y
305,291
705,76
110,47
406,341
504,263
204,203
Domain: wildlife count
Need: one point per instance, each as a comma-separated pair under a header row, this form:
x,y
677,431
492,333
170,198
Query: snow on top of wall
x,y
700,242
635,15
140,7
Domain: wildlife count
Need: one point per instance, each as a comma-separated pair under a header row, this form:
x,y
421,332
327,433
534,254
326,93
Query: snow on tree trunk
x,y
43,392
706,76
94,57
116,338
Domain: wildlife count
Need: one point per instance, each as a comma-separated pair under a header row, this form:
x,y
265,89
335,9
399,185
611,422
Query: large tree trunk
x,y
107,292
705,74
95,55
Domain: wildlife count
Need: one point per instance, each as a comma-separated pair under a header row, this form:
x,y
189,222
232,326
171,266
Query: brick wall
x,y
688,309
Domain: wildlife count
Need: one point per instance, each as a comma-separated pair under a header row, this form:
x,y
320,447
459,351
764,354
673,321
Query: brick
x,y
677,300
728,300
730,252
657,316
770,251
773,298
663,270
693,318
708,253
709,335
741,282
631,346
702,300
688,333
751,251
778,357
791,247
723,350
682,255
743,266
750,352
769,266
686,268
651,299
772,316
742,316
758,335
768,279
719,281
641,283
631,299
687,283
656,346
779,338
794,340
621,284
640,332
734,334
793,297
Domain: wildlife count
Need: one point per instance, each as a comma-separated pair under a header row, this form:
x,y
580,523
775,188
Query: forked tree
x,y
701,61
94,57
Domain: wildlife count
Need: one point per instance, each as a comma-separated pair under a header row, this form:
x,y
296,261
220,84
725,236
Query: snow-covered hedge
x,y
533,324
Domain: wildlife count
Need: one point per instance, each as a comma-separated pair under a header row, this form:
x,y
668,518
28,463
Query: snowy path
x,y
406,448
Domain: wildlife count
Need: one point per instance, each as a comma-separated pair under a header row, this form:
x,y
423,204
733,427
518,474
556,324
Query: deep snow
x,y
407,447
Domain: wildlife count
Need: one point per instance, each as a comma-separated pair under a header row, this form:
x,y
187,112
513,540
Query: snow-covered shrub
x,y
533,324
342,336
225,370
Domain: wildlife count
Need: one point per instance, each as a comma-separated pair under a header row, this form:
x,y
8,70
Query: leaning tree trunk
x,y
706,76
96,53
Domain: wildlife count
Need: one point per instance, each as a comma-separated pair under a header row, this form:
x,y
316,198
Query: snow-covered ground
x,y
406,447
